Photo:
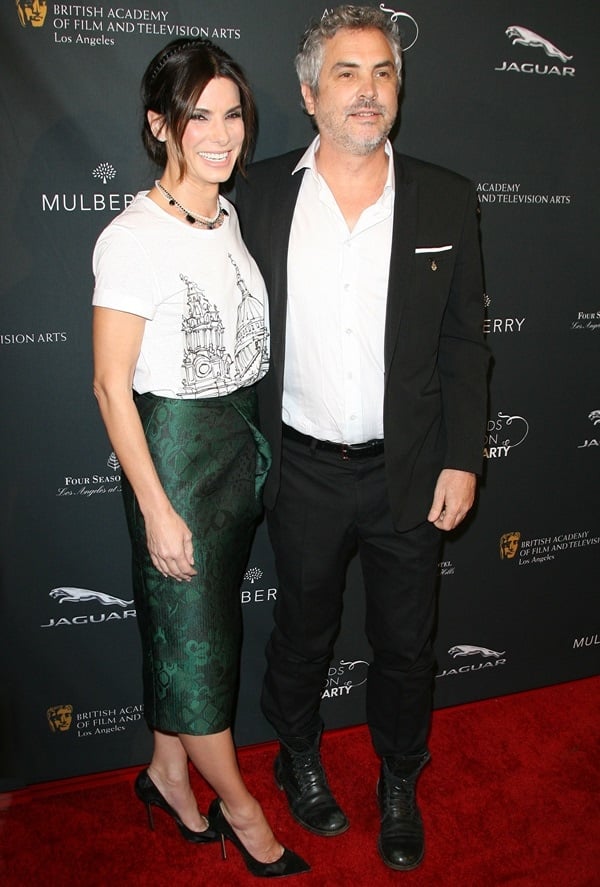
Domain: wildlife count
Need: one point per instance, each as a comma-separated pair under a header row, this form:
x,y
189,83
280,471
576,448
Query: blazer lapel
x,y
287,188
402,259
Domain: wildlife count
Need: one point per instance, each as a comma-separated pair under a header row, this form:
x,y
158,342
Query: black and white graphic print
x,y
207,365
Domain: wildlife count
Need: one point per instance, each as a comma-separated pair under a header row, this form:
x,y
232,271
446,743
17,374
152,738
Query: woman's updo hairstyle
x,y
171,86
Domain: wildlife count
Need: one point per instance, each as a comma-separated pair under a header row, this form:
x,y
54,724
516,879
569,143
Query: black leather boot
x,y
299,772
401,841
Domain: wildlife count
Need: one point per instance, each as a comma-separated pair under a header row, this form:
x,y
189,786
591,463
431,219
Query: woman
x,y
180,338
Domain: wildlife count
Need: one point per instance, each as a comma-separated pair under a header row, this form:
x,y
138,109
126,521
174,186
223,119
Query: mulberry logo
x,y
59,718
500,324
592,640
104,171
504,434
509,545
60,202
252,574
256,595
520,36
32,13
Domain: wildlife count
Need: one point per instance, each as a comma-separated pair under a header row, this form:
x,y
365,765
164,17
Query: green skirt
x,y
212,462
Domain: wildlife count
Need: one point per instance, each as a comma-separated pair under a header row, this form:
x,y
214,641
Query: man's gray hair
x,y
309,59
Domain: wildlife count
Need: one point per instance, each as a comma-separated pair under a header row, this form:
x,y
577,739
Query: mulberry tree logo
x,y
252,574
104,171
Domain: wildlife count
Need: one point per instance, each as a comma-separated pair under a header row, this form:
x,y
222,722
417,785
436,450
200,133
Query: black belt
x,y
344,451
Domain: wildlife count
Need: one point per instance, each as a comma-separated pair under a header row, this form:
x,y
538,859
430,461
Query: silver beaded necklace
x,y
193,218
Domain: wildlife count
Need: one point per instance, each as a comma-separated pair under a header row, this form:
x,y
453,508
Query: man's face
x,y
357,100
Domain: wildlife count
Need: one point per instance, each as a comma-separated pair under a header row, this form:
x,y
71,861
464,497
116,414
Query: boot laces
x,y
401,799
308,769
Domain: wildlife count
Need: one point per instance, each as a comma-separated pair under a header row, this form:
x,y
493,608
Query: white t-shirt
x,y
201,293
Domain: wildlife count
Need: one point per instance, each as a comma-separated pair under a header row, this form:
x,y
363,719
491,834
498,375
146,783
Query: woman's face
x,y
213,138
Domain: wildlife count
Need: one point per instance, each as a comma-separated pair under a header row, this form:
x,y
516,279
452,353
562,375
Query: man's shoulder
x,y
284,163
422,171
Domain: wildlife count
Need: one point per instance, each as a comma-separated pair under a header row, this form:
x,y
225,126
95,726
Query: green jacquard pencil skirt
x,y
212,462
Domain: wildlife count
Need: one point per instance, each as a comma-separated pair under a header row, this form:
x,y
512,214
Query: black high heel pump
x,y
149,795
289,863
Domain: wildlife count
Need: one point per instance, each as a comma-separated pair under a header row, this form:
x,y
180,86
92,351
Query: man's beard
x,y
360,145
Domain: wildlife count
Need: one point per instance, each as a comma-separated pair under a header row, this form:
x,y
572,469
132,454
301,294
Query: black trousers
x,y
328,509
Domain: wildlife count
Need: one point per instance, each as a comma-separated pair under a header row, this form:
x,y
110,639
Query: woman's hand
x,y
117,341
170,545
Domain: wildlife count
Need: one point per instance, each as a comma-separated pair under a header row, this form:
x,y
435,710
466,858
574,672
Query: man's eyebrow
x,y
387,63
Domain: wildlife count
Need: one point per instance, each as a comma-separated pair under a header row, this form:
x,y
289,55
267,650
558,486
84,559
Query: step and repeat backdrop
x,y
502,92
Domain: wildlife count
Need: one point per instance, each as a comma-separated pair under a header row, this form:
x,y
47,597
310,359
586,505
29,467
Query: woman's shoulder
x,y
136,220
138,211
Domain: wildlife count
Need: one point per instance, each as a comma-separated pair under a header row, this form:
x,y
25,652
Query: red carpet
x,y
511,797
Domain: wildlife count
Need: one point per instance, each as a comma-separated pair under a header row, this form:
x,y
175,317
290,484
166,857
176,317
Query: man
x,y
378,372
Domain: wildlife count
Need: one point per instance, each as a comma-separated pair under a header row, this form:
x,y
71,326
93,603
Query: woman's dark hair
x,y
172,85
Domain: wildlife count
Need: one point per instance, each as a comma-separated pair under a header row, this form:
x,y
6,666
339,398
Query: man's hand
x,y
453,497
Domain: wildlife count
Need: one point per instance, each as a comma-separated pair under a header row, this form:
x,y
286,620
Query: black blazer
x,y
435,357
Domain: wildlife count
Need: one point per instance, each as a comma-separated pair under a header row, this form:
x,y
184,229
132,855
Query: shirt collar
x,y
309,161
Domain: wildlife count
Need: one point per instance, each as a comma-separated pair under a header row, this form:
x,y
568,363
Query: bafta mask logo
x,y
32,13
59,717
509,545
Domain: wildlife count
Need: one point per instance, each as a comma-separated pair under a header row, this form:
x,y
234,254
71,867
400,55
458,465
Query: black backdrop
x,y
501,91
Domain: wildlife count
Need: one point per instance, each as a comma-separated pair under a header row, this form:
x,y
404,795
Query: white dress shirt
x,y
337,293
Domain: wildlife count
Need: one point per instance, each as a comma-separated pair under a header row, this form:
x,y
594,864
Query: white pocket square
x,y
433,249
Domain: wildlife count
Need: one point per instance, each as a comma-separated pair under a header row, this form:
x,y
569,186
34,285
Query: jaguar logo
x,y
468,650
594,417
525,37
69,595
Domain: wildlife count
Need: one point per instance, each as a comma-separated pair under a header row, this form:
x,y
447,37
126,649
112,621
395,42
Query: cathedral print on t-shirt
x,y
207,365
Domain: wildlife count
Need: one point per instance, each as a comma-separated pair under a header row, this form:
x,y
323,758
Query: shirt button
x,y
348,332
